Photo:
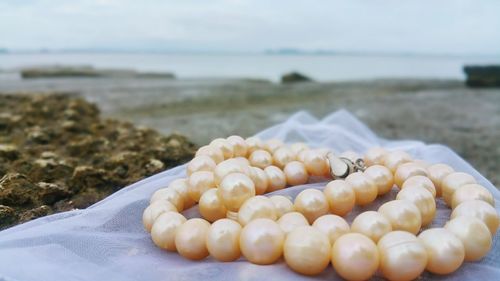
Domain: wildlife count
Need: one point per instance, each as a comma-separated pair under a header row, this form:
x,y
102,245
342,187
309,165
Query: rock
x,y
482,76
16,190
35,213
294,77
9,152
7,216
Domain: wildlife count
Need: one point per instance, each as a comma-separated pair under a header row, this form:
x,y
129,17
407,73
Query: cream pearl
x,y
445,252
296,173
223,240
277,179
261,159
283,156
201,163
240,147
423,199
283,205
374,156
164,229
420,181
182,187
211,207
452,182
402,256
351,155
316,163
364,187
355,257
153,211
229,166
437,173
473,233
224,146
199,182
213,152
480,210
272,145
332,225
340,196
290,221
256,207
403,215
382,177
395,158
372,224
406,170
307,250
235,189
301,156
170,195
190,239
261,241
253,144
298,147
260,179
469,192
312,204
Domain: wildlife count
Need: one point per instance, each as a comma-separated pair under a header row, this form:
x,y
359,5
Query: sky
x,y
390,26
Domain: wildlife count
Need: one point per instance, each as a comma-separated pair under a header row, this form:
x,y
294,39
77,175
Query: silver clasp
x,y
341,167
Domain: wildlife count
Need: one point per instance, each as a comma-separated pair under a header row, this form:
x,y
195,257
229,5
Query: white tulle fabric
x,y
107,241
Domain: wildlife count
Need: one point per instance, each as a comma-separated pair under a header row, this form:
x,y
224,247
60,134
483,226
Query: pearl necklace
x,y
310,232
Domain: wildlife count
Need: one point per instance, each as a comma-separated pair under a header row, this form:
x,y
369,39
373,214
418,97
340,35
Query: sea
x,y
326,67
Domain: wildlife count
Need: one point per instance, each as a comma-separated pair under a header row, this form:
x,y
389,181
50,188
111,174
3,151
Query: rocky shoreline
x,y
58,154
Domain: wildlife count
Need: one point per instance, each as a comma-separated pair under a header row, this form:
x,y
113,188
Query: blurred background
x,y
207,69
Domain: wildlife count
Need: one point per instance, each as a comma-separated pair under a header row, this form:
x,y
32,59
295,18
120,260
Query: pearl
x,y
355,257
229,166
242,161
240,147
296,173
283,156
223,240
452,182
473,233
153,211
213,152
480,210
403,215
364,187
340,196
256,207
437,173
422,182
272,145
164,229
374,156
283,205
469,192
316,163
332,225
199,182
402,256
190,239
277,179
311,203
211,207
372,224
261,159
261,241
224,146
301,156
201,163
290,221
307,250
235,189
406,170
298,147
182,187
421,163
169,195
395,158
259,178
382,177
253,144
351,155
445,252
423,199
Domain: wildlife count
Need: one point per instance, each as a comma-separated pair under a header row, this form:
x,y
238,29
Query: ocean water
x,y
259,66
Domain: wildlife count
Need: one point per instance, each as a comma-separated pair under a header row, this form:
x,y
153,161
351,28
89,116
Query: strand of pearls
x,y
228,177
